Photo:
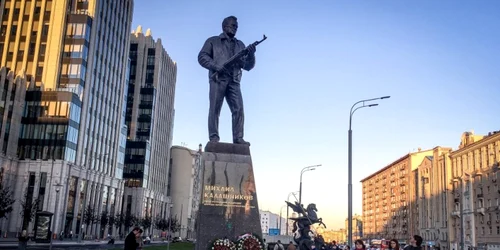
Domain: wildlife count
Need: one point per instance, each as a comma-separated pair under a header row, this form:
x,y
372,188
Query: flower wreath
x,y
249,242
222,244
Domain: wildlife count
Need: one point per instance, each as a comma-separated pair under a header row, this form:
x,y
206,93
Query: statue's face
x,y
231,27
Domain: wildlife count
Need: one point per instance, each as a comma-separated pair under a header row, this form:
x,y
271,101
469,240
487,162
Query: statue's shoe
x,y
241,141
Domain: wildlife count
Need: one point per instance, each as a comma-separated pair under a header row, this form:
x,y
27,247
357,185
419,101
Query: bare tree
x,y
146,223
119,221
6,201
29,207
103,221
89,217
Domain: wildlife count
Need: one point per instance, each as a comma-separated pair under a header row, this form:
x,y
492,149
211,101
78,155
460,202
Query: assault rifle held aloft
x,y
237,57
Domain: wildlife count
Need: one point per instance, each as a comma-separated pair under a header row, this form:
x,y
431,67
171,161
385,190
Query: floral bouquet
x,y
249,242
222,244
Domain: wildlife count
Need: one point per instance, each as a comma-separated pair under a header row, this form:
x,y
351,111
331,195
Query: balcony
x,y
481,211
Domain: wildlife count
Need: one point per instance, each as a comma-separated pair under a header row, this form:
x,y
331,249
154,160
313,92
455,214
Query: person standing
x,y
394,245
415,243
130,241
278,246
359,245
23,240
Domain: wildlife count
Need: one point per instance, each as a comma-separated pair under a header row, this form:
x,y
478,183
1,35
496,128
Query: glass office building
x,y
75,54
149,119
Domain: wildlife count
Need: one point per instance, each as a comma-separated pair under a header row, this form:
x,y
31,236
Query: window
x,y
3,31
78,30
39,70
43,47
45,30
75,51
73,70
13,30
151,60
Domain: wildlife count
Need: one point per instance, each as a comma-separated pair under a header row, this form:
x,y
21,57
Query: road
x,y
58,245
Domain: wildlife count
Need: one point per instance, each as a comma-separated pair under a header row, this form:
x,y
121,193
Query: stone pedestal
x,y
228,204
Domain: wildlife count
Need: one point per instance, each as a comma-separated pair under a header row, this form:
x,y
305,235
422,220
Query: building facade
x,y
338,236
272,224
433,185
12,93
75,55
149,121
475,194
357,226
185,180
390,207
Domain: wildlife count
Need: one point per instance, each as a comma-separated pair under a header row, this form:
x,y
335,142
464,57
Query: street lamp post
x,y
309,168
349,159
281,218
288,209
461,210
58,188
169,225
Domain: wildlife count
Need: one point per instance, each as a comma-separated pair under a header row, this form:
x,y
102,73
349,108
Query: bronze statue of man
x,y
226,84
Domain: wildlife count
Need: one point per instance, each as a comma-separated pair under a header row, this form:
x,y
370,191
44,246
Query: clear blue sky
x,y
439,60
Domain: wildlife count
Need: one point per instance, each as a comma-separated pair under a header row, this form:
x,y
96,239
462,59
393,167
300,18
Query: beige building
x,y
149,120
339,236
357,227
390,200
434,176
76,55
185,187
475,201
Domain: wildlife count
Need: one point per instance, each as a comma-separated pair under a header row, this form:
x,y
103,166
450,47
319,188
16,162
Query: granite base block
x,y
228,204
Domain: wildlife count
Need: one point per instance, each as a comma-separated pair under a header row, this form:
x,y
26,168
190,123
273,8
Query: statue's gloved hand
x,y
220,68
252,48
217,67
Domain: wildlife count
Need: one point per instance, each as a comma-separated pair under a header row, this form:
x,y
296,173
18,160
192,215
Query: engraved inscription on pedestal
x,y
228,206
221,196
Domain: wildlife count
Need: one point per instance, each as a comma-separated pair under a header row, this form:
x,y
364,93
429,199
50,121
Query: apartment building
x,y
75,56
434,176
390,208
475,201
149,120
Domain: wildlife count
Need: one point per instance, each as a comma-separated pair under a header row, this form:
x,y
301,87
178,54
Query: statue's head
x,y
230,26
312,206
